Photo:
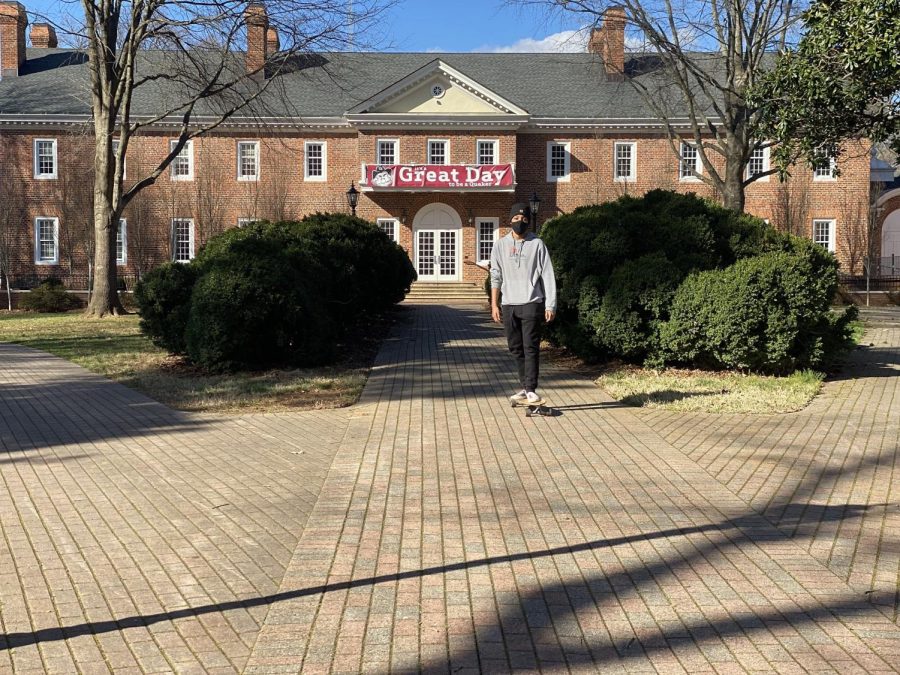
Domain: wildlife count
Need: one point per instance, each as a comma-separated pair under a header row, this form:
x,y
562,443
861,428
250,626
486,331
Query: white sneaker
x,y
532,397
520,396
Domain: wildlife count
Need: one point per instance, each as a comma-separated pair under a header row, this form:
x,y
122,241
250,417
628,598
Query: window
x,y
182,239
115,149
558,161
625,170
183,164
487,234
122,243
758,163
248,160
315,163
388,152
437,152
389,227
823,233
824,168
46,240
689,166
243,222
45,158
486,152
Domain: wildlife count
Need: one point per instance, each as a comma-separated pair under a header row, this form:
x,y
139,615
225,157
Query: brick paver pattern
x,y
432,528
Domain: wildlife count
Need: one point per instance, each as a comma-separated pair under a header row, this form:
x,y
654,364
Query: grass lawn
x,y
115,347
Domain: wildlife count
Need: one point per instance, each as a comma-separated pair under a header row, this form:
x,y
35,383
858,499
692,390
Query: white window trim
x,y
243,221
254,177
46,176
393,141
446,142
324,176
567,176
832,231
632,176
190,221
493,141
826,179
698,165
396,223
766,166
37,241
496,223
189,147
123,223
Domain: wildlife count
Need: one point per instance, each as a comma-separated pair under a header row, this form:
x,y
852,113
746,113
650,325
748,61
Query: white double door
x,y
437,242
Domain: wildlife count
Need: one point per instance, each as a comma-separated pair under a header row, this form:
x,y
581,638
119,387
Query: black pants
x,y
523,325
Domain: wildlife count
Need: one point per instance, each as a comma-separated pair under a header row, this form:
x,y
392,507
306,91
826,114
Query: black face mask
x,y
520,227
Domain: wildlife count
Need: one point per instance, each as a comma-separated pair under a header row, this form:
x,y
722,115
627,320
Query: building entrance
x,y
437,233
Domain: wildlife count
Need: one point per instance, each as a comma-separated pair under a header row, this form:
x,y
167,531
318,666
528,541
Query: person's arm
x,y
549,280
496,282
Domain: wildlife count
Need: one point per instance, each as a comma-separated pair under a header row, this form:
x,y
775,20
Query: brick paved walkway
x,y
452,535
134,538
448,532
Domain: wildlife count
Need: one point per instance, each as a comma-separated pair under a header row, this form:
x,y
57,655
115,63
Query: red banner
x,y
457,176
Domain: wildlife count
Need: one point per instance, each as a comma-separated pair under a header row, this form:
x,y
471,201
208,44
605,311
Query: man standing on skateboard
x,y
522,272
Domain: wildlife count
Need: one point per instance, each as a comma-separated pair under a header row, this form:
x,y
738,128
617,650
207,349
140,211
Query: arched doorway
x,y
437,240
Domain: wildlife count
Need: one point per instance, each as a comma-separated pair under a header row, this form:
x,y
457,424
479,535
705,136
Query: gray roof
x,y
56,81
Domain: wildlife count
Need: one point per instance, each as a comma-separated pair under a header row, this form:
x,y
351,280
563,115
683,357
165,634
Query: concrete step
x,y
430,291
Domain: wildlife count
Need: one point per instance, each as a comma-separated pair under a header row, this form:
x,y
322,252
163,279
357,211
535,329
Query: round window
x,y
437,91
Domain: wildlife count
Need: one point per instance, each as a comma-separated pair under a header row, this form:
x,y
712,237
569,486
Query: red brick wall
x,y
216,199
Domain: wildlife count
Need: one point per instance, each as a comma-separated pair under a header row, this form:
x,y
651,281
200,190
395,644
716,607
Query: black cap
x,y
520,208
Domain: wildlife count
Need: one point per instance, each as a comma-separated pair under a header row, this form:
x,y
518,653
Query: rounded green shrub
x,y
163,298
769,313
50,296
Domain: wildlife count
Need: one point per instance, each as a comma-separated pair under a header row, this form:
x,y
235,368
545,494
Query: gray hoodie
x,y
522,270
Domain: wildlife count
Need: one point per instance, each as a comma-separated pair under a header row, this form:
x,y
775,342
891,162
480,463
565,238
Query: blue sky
x,y
444,25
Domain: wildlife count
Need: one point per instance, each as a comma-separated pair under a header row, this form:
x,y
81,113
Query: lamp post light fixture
x,y
535,205
352,198
470,216
404,214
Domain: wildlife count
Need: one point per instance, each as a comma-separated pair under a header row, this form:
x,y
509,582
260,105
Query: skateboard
x,y
538,408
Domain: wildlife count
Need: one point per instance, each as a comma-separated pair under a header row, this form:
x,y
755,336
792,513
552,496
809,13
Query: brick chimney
x,y
257,27
43,36
13,22
273,44
608,40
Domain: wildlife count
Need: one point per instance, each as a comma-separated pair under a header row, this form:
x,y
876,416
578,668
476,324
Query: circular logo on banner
x,y
437,91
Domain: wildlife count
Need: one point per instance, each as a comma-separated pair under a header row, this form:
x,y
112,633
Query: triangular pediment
x,y
437,89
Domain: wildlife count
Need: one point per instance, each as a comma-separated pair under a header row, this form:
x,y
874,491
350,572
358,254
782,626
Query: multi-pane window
x,y
46,240
487,152
248,160
558,162
824,168
243,222
487,228
625,161
122,243
45,158
389,227
315,161
437,152
183,164
758,163
689,166
823,233
387,152
182,239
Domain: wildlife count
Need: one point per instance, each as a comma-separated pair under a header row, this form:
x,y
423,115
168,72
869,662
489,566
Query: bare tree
x,y
180,56
141,239
700,63
209,207
790,209
855,227
13,216
75,192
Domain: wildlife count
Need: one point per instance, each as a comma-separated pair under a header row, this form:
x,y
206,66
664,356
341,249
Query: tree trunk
x,y
733,180
104,301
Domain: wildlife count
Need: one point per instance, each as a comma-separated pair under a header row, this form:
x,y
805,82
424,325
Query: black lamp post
x,y
352,198
535,205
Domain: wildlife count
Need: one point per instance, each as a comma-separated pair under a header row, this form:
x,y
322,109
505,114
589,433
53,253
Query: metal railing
x,y
73,282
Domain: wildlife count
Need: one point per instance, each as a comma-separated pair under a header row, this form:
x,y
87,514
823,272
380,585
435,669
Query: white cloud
x,y
564,41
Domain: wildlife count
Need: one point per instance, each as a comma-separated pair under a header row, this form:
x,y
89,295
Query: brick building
x,y
439,145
